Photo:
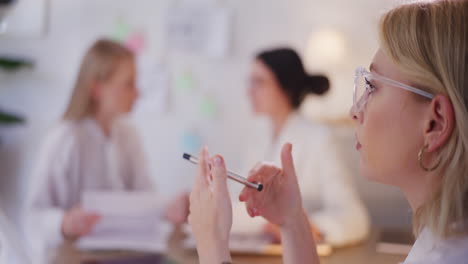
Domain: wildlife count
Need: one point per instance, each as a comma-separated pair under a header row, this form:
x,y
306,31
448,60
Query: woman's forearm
x,y
298,242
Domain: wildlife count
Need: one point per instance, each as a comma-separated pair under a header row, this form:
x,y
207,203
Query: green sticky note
x,y
208,107
121,31
186,82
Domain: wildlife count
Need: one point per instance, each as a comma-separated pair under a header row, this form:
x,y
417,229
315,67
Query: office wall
x,y
42,93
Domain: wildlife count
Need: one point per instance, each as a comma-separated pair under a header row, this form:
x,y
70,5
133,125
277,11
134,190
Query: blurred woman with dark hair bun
x,y
278,85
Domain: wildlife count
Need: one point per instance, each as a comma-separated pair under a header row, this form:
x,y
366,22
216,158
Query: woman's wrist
x,y
215,252
298,220
293,218
298,242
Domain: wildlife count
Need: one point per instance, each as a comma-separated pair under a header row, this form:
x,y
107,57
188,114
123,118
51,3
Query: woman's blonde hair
x,y
99,63
428,41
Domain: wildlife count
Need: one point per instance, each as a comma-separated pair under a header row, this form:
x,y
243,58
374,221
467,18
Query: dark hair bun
x,y
317,84
288,69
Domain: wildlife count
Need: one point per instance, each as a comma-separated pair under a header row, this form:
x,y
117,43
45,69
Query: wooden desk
x,y
359,254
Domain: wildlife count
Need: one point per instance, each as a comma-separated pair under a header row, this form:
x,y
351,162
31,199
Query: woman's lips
x,y
358,144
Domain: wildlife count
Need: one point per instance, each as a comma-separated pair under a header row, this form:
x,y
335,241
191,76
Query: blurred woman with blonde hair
x,y
94,147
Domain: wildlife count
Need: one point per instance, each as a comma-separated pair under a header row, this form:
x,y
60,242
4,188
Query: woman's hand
x,y
280,201
178,210
211,210
77,222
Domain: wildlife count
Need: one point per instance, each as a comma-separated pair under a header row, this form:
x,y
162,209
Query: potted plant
x,y
11,64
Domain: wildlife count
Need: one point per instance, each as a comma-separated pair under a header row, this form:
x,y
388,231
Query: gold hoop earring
x,y
420,160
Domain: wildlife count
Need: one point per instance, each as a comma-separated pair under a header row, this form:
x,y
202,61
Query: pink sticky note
x,y
136,42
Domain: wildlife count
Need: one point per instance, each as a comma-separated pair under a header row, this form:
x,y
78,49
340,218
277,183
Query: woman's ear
x,y
440,124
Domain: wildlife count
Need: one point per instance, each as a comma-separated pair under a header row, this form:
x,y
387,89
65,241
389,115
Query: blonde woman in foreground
x,y
411,116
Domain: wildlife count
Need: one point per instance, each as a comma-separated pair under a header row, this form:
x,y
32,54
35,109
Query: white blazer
x,y
429,250
326,186
77,156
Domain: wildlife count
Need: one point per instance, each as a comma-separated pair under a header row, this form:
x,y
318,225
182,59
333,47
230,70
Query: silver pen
x,y
231,175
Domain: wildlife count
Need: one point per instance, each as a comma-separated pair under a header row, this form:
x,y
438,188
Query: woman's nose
x,y
351,113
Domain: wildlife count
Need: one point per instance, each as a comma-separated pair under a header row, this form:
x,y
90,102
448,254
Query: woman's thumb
x,y
287,160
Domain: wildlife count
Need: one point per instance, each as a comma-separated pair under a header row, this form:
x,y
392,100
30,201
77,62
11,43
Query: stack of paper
x,y
129,221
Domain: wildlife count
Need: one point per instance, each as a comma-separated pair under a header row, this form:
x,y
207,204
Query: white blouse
x,y
429,250
326,186
77,156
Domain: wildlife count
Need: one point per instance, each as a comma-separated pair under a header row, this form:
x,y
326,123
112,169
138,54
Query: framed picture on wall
x,y
23,18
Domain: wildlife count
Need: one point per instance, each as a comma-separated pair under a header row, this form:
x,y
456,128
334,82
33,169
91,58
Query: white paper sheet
x,y
200,29
154,87
129,221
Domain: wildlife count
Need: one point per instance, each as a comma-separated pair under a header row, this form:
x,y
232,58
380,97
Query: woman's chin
x,y
376,174
258,111
367,173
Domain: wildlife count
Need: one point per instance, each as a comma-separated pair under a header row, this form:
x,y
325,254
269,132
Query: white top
x,y
77,156
11,249
429,250
326,186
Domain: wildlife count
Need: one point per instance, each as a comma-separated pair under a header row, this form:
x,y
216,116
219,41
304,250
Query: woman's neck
x,y
279,120
417,192
105,122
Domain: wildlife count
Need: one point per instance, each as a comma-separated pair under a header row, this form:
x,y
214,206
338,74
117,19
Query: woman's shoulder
x,y
62,135
64,130
430,250
455,249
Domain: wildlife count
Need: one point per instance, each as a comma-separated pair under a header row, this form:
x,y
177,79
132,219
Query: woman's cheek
x,y
260,101
374,150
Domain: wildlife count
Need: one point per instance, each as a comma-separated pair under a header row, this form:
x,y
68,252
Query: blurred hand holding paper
x,y
129,221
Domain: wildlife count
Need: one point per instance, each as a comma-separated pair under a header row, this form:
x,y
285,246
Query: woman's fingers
x,y
253,177
89,220
203,171
201,182
218,171
247,191
267,174
256,167
249,210
93,218
243,195
178,210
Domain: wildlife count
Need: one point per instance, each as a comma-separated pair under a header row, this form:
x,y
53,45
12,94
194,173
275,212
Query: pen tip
x,y
186,156
260,187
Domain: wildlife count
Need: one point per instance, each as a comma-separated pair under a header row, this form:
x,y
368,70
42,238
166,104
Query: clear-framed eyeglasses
x,y
363,87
